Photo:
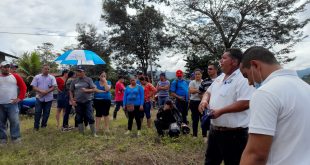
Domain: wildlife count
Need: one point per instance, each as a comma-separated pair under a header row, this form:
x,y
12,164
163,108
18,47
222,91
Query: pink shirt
x,y
119,91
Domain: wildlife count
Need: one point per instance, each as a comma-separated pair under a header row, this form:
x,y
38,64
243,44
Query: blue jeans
x,y
162,100
9,112
84,111
146,110
42,107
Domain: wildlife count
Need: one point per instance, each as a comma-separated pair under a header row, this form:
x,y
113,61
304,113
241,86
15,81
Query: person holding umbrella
x,y
81,90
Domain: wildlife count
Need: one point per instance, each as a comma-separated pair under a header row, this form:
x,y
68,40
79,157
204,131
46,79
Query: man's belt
x,y
217,128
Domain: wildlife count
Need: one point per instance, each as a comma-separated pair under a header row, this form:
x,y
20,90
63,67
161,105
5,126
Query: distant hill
x,y
304,72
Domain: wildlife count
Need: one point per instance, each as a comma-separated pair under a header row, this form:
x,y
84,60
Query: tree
x,y
29,65
207,27
137,39
198,62
90,39
46,56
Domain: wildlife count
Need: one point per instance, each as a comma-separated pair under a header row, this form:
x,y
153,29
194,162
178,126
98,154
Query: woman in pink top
x,y
119,94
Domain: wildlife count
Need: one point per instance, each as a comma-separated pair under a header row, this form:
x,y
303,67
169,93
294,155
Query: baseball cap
x,y
80,68
179,73
13,65
162,74
4,63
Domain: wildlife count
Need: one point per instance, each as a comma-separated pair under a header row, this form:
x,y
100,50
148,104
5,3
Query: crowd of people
x,y
254,112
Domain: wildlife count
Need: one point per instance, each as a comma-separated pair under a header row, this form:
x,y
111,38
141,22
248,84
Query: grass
x,y
51,146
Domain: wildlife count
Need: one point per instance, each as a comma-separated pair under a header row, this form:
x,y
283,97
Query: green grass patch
x,y
51,146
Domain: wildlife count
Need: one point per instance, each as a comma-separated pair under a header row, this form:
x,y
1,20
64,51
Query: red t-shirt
x,y
119,91
60,83
149,91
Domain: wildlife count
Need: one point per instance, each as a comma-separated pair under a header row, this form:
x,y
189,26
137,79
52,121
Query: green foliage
x,y
198,62
137,39
207,27
307,78
47,57
29,64
90,39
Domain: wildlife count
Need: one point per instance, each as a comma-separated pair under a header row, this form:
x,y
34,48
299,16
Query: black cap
x,y
162,74
80,68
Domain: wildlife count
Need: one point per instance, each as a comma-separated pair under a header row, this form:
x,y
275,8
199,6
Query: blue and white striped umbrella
x,y
79,57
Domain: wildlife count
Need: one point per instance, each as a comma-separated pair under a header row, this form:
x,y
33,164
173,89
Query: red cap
x,y
179,73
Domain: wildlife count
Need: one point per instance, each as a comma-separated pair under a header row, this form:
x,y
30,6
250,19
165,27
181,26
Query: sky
x,y
58,18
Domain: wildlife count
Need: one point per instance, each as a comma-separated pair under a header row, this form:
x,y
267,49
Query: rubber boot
x,y
81,128
93,130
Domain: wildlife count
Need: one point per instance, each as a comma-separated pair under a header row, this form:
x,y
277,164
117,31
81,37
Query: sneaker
x,y
139,133
205,139
65,129
95,135
127,132
17,141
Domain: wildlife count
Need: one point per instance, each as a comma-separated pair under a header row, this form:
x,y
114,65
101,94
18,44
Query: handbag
x,y
130,107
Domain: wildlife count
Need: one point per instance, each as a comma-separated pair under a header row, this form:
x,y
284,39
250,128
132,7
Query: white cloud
x,y
61,17
47,17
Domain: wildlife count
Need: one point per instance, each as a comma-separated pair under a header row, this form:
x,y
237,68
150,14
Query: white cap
x,y
3,63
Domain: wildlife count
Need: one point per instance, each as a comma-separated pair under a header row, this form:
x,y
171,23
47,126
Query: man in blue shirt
x,y
179,90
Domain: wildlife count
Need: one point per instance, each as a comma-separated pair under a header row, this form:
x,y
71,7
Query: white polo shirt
x,y
281,108
224,93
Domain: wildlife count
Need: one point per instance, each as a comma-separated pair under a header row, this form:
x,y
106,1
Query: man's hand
x,y
141,108
216,113
73,102
15,101
202,106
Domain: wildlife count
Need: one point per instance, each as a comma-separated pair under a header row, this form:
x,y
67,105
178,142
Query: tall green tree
x,y
138,38
89,39
29,64
207,27
45,52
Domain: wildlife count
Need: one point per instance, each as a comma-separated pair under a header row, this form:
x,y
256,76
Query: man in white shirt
x,y
279,129
228,100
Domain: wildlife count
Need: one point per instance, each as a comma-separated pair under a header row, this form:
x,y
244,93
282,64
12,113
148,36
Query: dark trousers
x,y
196,116
225,145
84,112
42,109
65,122
118,105
160,126
182,106
136,113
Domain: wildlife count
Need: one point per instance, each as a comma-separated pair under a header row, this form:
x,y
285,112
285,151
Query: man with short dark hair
x,y
13,90
279,125
228,101
44,85
81,90
212,73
